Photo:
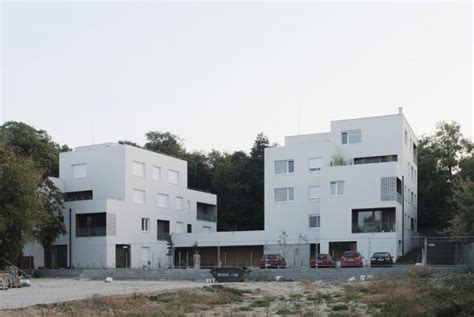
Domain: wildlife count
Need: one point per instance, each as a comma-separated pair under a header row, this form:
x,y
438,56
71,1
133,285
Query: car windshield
x,y
384,254
350,254
271,256
322,257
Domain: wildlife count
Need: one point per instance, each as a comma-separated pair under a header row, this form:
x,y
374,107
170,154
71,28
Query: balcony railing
x,y
91,231
163,236
374,227
206,217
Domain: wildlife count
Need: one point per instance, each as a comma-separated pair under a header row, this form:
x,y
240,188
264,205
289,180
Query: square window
x,y
314,221
173,177
337,188
79,170
163,200
138,196
138,169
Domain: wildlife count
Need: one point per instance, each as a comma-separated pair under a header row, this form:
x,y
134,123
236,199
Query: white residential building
x,y
352,188
122,203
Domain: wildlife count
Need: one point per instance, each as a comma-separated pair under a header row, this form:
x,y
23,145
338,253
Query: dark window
x,y
206,212
81,195
190,228
375,159
399,186
373,220
415,154
91,225
163,230
344,137
412,224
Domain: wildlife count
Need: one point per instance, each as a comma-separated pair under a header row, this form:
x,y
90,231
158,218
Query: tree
x,y
27,142
441,158
462,223
19,202
165,143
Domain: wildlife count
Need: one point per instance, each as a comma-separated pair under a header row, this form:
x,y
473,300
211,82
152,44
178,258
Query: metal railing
x,y
374,227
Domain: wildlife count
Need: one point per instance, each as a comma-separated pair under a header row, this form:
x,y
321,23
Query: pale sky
x,y
219,73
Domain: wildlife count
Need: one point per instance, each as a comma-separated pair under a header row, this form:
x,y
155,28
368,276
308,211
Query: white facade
x,y
352,188
358,199
127,184
325,189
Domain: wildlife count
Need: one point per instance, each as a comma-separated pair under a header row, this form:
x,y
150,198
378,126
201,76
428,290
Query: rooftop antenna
x,y
92,132
299,119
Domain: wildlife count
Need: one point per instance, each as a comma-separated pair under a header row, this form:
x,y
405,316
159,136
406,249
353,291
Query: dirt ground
x,y
420,293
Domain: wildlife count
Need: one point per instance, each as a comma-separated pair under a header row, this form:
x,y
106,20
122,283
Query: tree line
x,y
31,206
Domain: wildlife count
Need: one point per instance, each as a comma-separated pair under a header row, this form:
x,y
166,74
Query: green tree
x,y
20,203
27,142
165,143
440,158
462,223
129,143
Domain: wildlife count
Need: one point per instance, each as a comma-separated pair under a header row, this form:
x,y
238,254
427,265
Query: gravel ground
x,y
45,291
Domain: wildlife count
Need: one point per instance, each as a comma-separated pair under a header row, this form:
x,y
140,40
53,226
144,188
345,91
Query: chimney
x,y
400,110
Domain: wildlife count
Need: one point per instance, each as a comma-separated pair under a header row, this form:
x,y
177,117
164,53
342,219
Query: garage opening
x,y
336,249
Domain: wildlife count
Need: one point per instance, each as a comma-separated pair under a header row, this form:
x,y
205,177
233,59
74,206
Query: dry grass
x,y
410,296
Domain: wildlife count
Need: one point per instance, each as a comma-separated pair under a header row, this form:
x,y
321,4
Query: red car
x,y
322,260
272,261
351,259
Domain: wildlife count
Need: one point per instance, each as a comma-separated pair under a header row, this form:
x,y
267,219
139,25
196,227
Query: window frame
x,y
170,172
317,169
135,190
82,175
309,193
143,168
288,190
337,188
153,169
348,136
167,200
318,221
145,224
287,166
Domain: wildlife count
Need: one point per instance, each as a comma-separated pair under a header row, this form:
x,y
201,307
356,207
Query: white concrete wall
x,y
110,177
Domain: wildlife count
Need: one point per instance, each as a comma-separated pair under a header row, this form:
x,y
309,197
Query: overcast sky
x,y
218,74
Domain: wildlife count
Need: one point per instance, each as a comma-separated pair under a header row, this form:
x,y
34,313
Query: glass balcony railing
x,y
91,231
374,227
206,217
163,236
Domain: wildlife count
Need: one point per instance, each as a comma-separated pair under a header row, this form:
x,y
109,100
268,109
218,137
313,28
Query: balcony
x,y
373,227
373,220
91,225
91,232
206,212
163,236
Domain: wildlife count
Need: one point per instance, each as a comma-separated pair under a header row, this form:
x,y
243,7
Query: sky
x,y
217,74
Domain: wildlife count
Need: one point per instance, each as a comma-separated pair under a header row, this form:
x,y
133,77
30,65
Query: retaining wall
x,y
296,274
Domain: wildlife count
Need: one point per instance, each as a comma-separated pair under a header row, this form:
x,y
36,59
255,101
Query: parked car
x,y
381,259
272,261
322,260
351,259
